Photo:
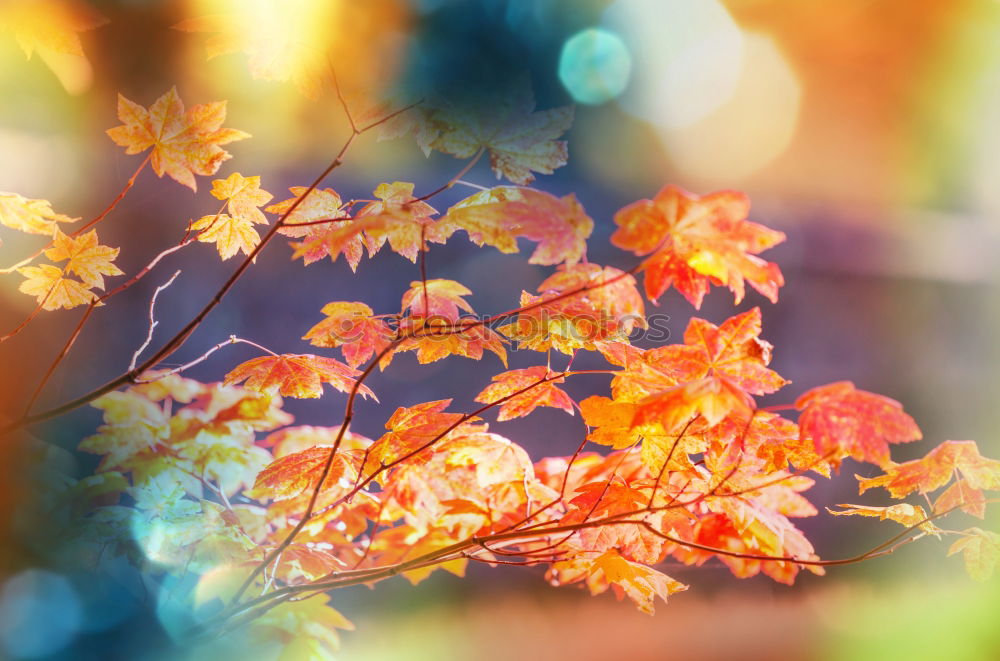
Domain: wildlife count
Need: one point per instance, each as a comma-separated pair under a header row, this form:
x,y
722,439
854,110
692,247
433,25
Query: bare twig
x,y
152,320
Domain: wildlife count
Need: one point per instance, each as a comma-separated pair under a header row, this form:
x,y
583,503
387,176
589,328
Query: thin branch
x,y
27,320
152,320
59,358
451,182
181,336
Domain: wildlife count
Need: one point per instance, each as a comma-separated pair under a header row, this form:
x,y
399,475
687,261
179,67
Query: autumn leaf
x,y
88,260
243,197
697,241
229,234
981,551
848,422
435,329
321,204
904,514
437,339
712,398
298,473
710,376
960,494
405,222
52,289
495,459
234,232
733,350
31,216
354,328
951,459
609,293
610,421
936,469
291,375
410,428
518,140
499,216
641,584
778,443
184,143
543,394
436,298
580,307
319,240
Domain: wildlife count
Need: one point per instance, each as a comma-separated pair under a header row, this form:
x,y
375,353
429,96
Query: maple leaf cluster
x,y
684,464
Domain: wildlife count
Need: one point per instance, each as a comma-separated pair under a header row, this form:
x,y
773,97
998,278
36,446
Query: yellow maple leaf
x,y
184,142
229,234
244,196
53,291
88,259
31,216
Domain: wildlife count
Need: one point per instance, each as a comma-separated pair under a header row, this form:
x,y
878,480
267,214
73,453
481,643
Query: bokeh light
x,y
594,66
749,130
688,57
39,614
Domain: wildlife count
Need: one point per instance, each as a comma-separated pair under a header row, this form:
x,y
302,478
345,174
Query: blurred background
x,y
867,131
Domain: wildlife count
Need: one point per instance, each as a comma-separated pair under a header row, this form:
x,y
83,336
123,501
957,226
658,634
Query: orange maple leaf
x,y
437,298
580,307
354,328
641,584
321,239
501,215
184,143
435,329
229,234
936,469
733,349
713,398
848,422
611,424
543,394
410,428
299,376
88,260
31,216
438,339
609,292
952,459
404,222
298,473
697,241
